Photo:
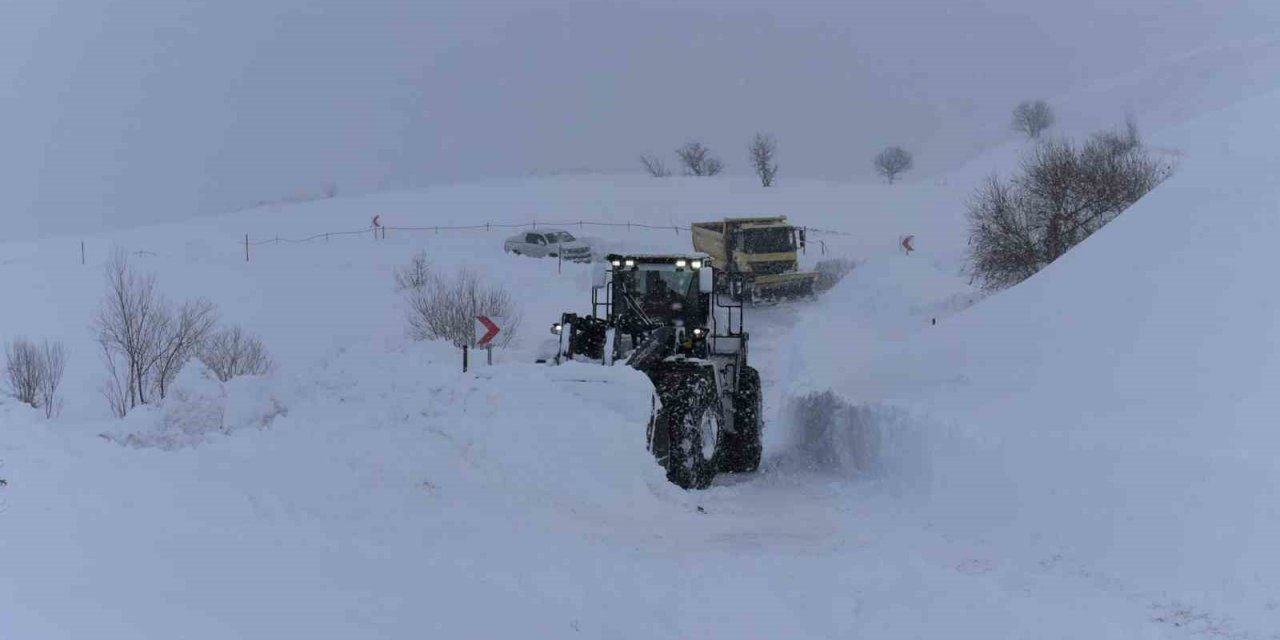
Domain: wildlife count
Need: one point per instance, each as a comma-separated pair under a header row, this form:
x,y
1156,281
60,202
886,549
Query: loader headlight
x,y
699,332
696,264
557,328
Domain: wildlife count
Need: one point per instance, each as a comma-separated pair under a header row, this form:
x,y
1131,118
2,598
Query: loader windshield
x,y
766,240
665,294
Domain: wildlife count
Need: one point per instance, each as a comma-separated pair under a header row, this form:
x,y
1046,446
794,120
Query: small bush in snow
x,y
698,161
415,275
232,352
34,373
445,308
1064,194
761,151
653,165
1031,118
893,161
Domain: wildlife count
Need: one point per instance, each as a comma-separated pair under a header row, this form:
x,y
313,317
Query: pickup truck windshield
x,y
766,240
559,236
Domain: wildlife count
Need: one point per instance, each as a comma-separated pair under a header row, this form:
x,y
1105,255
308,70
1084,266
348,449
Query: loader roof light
x,y
631,262
696,264
680,264
616,263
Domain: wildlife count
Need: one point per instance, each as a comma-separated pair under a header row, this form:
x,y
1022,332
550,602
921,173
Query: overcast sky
x,y
120,112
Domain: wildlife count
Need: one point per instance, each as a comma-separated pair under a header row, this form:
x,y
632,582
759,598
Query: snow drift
x,y
1119,406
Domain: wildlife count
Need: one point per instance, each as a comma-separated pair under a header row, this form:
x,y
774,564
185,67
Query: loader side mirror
x,y
802,238
599,274
706,282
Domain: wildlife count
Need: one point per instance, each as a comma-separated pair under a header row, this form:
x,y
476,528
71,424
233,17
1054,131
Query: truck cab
x,y
762,253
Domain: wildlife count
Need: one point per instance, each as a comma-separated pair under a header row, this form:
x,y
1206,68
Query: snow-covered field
x,y
1091,454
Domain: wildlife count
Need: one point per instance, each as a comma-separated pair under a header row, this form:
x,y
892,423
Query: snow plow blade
x,y
783,287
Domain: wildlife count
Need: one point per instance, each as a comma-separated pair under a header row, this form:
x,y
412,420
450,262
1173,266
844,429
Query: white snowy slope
x,y
1112,418
1086,455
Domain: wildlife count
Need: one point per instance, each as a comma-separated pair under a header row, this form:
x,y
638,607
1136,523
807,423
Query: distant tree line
x,y
1030,118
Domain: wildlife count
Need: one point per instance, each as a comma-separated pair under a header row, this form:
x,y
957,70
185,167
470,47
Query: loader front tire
x,y
688,433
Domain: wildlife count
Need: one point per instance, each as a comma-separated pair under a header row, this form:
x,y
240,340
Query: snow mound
x,y
550,434
198,406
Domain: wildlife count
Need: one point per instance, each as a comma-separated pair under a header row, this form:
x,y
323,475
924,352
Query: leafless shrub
x,y
446,309
180,337
653,165
34,373
233,352
54,364
893,161
698,161
1031,118
143,342
1064,194
415,275
128,327
761,152
24,373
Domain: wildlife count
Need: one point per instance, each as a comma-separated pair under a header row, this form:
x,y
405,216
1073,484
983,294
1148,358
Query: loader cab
x,y
659,291
642,292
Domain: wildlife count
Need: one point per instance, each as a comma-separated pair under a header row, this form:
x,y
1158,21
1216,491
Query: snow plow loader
x,y
755,258
661,315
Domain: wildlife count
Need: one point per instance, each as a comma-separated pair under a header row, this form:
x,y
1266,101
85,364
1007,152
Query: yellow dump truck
x,y
755,259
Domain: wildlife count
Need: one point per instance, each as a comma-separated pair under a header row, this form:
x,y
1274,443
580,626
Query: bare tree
x,y
698,161
24,372
54,364
761,152
234,352
179,338
33,374
117,389
414,275
893,161
656,167
1064,194
446,309
129,325
144,343
1033,117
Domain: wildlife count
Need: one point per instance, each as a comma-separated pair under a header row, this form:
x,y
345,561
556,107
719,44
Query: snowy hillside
x,y
1085,455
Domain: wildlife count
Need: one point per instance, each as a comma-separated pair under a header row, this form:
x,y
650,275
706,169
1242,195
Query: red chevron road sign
x,y
486,331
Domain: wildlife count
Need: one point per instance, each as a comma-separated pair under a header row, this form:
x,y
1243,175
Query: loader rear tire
x,y
742,449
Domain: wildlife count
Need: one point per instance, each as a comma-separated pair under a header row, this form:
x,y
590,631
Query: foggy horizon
x,y
119,112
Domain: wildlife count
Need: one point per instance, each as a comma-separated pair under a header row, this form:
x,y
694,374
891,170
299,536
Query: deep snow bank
x,y
1121,404
381,440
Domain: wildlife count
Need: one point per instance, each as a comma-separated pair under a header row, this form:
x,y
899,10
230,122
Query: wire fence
x,y
380,231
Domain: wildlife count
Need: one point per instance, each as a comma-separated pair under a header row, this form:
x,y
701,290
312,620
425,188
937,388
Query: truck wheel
x,y
692,430
742,448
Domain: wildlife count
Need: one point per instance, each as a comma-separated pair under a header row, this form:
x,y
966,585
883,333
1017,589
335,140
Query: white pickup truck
x,y
548,243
